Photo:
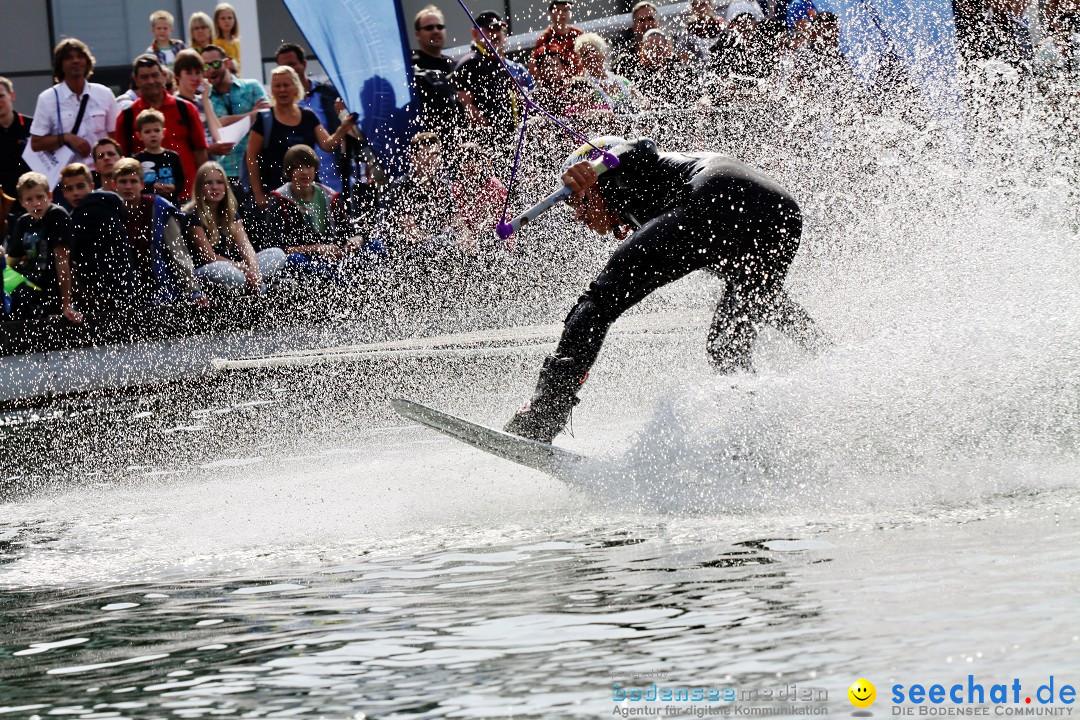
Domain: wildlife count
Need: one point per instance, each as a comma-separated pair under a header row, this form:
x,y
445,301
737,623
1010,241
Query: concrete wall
x,y
25,50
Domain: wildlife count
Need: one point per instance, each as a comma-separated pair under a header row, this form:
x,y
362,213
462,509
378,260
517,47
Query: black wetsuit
x,y
692,212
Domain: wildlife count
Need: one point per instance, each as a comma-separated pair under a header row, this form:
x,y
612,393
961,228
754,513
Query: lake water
x,y
903,508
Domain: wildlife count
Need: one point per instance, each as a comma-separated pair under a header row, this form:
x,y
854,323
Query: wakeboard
x,y
536,455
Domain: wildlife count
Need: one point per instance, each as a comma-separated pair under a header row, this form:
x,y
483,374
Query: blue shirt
x,y
521,74
328,172
241,98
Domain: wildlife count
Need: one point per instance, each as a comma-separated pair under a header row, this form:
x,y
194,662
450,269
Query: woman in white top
x,y
614,91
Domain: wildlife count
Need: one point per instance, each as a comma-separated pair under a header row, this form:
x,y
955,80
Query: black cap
x,y
553,3
488,18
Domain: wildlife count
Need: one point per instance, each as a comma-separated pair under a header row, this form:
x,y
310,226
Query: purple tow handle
x,y
505,230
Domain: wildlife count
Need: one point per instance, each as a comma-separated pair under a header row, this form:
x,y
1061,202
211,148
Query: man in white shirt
x,y
58,108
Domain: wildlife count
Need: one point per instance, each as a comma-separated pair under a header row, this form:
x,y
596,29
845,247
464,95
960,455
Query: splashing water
x,y
903,504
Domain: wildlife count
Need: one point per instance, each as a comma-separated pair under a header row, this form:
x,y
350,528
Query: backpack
x,y
104,269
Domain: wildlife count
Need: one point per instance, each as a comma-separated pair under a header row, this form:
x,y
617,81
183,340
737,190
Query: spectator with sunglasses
x,y
430,28
440,108
233,99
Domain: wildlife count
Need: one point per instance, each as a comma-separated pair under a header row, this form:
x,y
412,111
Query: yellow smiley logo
x,y
862,693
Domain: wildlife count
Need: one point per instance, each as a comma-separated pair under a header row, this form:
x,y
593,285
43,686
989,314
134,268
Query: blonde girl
x,y
227,33
219,237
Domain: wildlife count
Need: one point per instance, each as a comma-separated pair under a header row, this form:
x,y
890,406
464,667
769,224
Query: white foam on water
x,y
948,286
955,375
414,488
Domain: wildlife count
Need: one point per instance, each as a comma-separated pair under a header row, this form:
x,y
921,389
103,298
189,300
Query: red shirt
x,y
182,139
563,45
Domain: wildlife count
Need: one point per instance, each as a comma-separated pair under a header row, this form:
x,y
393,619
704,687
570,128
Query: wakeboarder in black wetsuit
x,y
687,212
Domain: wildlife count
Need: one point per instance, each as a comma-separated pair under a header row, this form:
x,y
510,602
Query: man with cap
x,y
559,38
686,213
490,98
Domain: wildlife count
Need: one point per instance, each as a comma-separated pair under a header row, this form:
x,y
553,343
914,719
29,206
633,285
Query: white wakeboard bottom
x,y
546,458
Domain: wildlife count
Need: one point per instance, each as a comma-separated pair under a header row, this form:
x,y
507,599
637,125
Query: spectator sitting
x,y
6,284
227,34
281,127
702,22
229,260
799,20
38,250
418,207
162,170
479,197
591,114
820,55
233,99
101,258
200,31
162,264
7,205
558,38
614,91
818,71
310,220
744,53
553,79
59,120
106,154
191,85
995,30
14,135
184,132
165,46
1058,54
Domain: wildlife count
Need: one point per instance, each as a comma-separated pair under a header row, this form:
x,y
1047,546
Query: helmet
x,y
589,150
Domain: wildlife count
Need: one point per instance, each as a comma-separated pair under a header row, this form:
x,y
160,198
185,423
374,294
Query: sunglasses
x,y
433,26
213,64
645,19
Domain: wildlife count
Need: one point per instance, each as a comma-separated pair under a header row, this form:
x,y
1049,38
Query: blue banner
x,y
363,46
919,33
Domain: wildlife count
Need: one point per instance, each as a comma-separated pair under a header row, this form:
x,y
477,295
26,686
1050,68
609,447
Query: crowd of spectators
x,y
150,206
153,207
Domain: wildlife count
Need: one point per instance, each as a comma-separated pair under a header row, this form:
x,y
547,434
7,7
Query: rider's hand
x,y
580,177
